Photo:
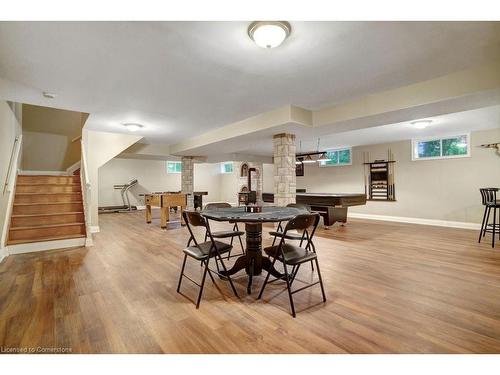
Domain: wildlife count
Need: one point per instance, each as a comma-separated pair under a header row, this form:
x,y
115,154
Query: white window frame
x,y
176,162
324,165
222,167
415,141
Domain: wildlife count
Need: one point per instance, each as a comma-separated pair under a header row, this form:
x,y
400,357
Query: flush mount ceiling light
x,y
132,126
49,95
269,34
421,124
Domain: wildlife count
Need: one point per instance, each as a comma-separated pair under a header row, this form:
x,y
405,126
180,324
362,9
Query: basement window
x,y
174,166
226,167
338,157
457,146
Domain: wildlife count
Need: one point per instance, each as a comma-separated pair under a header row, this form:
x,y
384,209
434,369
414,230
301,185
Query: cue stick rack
x,y
495,145
379,178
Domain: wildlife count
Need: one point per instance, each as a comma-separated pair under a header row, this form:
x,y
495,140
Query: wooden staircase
x,y
46,208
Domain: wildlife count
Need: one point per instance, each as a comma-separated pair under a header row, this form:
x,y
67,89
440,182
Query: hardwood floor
x,y
391,288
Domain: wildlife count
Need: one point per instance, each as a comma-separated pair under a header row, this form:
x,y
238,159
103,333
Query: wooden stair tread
x,y
46,203
47,226
45,239
47,175
48,184
49,214
51,193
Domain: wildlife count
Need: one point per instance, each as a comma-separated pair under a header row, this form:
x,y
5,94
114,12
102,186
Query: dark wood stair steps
x,y
45,208
47,179
48,188
48,197
42,219
46,231
44,239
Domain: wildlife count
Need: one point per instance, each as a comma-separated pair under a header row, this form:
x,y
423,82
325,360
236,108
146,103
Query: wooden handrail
x,y
9,169
84,166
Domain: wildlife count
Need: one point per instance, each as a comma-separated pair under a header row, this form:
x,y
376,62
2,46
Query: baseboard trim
x,y
94,229
414,220
47,245
3,253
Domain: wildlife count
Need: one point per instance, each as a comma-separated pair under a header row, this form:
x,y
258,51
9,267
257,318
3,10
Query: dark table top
x,y
269,214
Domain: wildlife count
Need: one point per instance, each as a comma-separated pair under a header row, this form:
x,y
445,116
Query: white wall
x,y
10,127
153,176
100,147
431,189
268,178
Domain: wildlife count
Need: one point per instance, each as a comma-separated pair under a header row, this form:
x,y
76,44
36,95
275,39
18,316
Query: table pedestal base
x,y
253,262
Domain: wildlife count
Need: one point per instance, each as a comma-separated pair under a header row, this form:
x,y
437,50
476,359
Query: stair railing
x,y
86,194
9,186
13,157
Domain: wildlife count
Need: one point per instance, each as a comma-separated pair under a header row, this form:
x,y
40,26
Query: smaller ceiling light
x,y
49,95
421,124
132,126
298,161
308,160
269,34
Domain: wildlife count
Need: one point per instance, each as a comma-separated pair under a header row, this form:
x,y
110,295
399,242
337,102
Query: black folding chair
x,y
236,232
278,233
295,256
203,252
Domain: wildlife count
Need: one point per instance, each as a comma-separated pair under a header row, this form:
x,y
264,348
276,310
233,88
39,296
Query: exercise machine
x,y
126,207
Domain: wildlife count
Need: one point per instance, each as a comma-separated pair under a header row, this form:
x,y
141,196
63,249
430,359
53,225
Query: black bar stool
x,y
489,201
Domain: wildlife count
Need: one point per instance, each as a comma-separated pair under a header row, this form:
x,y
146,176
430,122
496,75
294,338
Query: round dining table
x,y
253,261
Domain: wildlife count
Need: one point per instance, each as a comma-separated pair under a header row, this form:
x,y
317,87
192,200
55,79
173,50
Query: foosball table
x,y
165,201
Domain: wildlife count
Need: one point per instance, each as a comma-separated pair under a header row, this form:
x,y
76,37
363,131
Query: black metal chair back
x,y
488,195
194,218
307,223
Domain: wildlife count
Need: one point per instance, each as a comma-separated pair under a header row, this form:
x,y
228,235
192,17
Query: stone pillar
x,y
187,180
284,169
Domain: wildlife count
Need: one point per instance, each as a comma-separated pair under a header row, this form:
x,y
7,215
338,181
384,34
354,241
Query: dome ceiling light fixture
x,y
421,124
269,34
132,126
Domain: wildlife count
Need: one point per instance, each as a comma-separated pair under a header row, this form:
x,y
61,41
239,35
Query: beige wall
x,y
152,176
10,127
44,151
268,178
48,135
445,189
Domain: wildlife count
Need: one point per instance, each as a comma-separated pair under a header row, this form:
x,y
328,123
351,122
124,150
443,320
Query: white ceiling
x,y
450,124
181,79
